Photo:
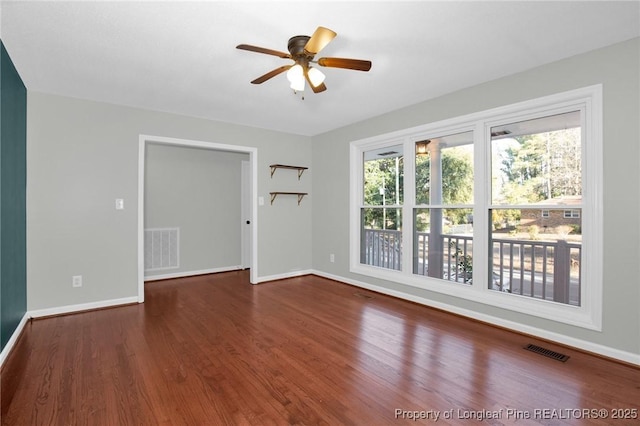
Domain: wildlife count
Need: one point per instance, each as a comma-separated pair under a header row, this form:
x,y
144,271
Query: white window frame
x,y
545,213
589,101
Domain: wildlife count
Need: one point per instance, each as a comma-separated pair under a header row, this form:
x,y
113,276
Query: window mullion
x,y
482,191
407,209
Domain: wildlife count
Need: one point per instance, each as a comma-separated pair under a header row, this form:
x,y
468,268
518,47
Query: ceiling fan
x,y
302,50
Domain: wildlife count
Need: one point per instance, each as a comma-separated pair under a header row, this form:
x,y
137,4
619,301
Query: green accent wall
x,y
13,190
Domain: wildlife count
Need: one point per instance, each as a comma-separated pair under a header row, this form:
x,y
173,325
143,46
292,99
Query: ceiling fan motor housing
x,y
296,48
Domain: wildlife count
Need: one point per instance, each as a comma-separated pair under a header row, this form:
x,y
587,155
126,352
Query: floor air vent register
x,y
547,352
363,295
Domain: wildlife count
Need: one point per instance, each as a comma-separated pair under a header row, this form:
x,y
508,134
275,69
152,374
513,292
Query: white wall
x,y
82,155
198,191
617,68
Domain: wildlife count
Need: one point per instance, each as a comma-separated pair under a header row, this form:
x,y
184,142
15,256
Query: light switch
x,y
119,204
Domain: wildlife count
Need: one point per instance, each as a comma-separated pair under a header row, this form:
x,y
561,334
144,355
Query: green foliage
x,y
421,220
381,175
541,166
464,261
384,180
383,186
457,177
503,218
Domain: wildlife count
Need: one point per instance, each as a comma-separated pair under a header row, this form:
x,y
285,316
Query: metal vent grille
x,y
161,248
363,295
547,352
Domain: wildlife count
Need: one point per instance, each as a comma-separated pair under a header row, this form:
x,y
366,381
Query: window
x,y
572,214
381,209
443,213
533,162
501,207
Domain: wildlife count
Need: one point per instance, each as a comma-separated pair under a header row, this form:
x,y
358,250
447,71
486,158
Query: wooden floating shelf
x,y
299,194
300,169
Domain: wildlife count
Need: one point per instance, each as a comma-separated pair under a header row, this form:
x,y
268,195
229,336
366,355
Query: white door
x,y
245,207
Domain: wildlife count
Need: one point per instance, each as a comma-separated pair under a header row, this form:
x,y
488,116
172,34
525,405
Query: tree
x,y
542,166
384,180
457,177
383,186
457,181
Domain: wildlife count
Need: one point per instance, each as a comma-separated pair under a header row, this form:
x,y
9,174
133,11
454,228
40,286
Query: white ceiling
x,y
180,57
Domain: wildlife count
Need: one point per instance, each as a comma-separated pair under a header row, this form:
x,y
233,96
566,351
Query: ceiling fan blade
x,y
263,50
352,64
320,88
316,89
271,74
319,39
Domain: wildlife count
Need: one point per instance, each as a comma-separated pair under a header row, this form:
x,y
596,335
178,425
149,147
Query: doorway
x,y
249,193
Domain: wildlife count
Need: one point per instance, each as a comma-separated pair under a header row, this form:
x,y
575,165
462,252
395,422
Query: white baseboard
x,y
191,273
38,313
595,348
292,274
13,339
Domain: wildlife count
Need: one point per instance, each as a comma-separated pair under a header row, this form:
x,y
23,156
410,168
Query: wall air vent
x,y
161,248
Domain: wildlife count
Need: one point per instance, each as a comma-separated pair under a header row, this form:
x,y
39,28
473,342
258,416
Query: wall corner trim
x,y
13,339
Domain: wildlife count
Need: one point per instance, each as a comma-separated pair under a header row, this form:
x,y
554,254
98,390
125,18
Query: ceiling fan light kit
x,y
302,50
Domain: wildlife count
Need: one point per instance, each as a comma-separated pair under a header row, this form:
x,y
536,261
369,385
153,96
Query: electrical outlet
x,y
76,281
332,258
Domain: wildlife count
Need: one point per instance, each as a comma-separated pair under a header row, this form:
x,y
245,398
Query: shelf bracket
x,y
300,195
300,169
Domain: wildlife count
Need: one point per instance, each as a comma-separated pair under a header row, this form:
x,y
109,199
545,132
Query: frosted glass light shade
x,y
295,75
316,77
298,85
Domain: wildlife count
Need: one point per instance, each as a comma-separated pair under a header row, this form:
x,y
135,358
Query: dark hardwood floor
x,y
214,350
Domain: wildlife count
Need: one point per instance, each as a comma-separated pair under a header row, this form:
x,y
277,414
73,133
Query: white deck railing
x,y
382,247
540,269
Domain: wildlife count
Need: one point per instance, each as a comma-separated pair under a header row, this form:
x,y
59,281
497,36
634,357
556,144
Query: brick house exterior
x,y
548,215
